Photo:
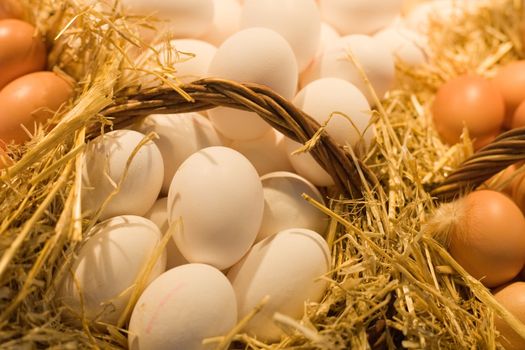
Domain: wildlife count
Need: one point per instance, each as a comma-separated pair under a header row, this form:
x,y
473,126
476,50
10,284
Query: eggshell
x,y
188,58
108,265
374,58
320,99
104,167
226,21
512,297
218,195
298,21
284,206
518,118
22,50
286,267
180,18
267,154
158,214
488,238
181,308
404,44
469,101
29,100
510,80
257,55
11,9
180,135
359,16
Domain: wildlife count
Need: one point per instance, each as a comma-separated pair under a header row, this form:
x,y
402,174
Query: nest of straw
x,y
392,284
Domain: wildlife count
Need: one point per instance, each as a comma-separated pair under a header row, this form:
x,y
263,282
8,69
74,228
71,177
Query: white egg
x,y
181,308
180,135
188,59
226,21
298,21
284,206
218,195
374,58
328,36
180,18
108,265
158,214
256,55
404,44
359,16
105,167
267,153
320,99
287,267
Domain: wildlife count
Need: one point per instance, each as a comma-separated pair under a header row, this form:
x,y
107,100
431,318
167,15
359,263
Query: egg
x,y
518,117
29,100
510,80
284,206
226,21
420,16
486,236
287,267
104,167
320,99
298,21
256,55
371,54
104,273
22,50
179,18
359,16
180,135
267,153
158,214
512,297
11,9
218,196
404,44
181,308
471,101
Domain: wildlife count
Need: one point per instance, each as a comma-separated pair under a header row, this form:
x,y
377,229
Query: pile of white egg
x,y
223,184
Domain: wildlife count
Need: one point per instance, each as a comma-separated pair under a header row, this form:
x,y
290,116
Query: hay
x,y
392,284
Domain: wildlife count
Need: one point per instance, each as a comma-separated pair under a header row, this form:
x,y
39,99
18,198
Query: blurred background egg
x,y
510,80
107,267
105,166
512,297
30,100
298,21
284,206
158,214
469,101
487,236
226,21
181,308
22,50
518,117
209,193
267,153
359,16
405,45
256,55
180,135
11,9
286,267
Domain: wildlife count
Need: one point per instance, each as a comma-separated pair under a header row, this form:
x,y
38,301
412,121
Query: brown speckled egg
x,y
512,297
510,80
488,237
22,50
30,99
471,101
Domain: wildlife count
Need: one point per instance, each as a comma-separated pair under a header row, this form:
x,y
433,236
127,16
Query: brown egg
x,y
510,80
30,99
470,101
512,297
22,50
11,9
488,237
518,118
518,191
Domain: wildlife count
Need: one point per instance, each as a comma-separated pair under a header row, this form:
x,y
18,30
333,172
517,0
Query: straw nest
x,y
392,284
